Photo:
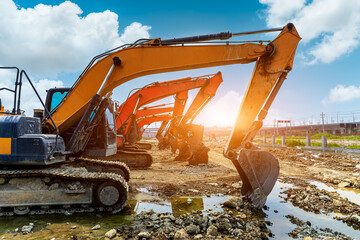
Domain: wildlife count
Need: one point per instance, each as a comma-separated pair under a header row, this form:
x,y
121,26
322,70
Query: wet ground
x,y
317,196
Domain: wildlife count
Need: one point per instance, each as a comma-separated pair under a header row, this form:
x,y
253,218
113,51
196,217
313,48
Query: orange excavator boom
x,y
273,61
154,92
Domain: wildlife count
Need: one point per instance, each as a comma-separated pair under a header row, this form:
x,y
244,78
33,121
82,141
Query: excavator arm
x,y
191,135
272,63
153,118
153,110
154,92
113,68
145,116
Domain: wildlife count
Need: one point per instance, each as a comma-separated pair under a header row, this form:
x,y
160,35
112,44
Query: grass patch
x,y
295,143
353,146
330,136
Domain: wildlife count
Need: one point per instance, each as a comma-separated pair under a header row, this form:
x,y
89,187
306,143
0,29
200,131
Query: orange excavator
x,y
145,116
146,121
150,114
182,134
179,106
127,127
80,121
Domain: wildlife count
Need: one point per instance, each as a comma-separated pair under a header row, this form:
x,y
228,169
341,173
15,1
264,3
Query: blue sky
x,y
324,77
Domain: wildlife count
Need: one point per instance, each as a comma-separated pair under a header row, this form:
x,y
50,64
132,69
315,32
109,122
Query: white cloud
x,y
46,40
221,111
51,39
29,100
332,25
342,94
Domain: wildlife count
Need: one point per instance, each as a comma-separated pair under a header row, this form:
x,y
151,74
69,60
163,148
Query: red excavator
x,y
179,106
80,122
146,116
126,117
146,121
182,134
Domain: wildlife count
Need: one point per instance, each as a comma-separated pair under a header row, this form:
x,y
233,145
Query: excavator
x,y
141,115
51,152
182,134
151,114
179,106
127,127
146,116
39,176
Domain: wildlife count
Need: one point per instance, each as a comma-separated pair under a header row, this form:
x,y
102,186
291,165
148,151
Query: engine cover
x,y
22,143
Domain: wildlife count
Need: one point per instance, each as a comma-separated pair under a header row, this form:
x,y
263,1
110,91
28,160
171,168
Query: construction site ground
x,y
317,196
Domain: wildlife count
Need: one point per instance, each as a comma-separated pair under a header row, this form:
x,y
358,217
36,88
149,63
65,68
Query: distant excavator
x,y
80,122
182,134
127,127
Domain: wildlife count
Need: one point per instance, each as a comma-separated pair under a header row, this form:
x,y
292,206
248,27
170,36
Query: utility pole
x,y
353,117
337,118
274,127
322,115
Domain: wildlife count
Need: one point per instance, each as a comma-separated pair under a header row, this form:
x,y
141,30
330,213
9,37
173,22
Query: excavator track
x,y
101,165
134,159
145,146
60,190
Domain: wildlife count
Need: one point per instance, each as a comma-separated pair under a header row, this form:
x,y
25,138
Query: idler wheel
x,y
21,210
108,194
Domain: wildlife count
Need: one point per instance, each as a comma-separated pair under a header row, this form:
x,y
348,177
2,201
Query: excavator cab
x,y
55,96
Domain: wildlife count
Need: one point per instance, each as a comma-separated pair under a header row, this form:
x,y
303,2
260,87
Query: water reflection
x,y
353,195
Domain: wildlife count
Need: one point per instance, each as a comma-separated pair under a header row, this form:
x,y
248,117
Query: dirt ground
x,y
316,182
168,177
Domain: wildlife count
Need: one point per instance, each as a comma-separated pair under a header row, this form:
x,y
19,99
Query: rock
x,y
181,235
27,229
324,198
192,229
308,238
236,185
111,233
193,190
231,202
16,230
73,227
96,227
212,231
344,184
214,184
199,236
143,235
242,215
154,217
337,203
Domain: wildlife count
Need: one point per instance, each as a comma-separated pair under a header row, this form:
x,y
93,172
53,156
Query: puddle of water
x,y
282,226
107,221
143,190
181,205
353,195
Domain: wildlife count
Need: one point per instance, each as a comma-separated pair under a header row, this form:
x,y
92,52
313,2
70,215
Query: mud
x,y
317,196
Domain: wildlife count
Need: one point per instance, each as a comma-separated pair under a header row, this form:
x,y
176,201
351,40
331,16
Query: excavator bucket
x,y
259,171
